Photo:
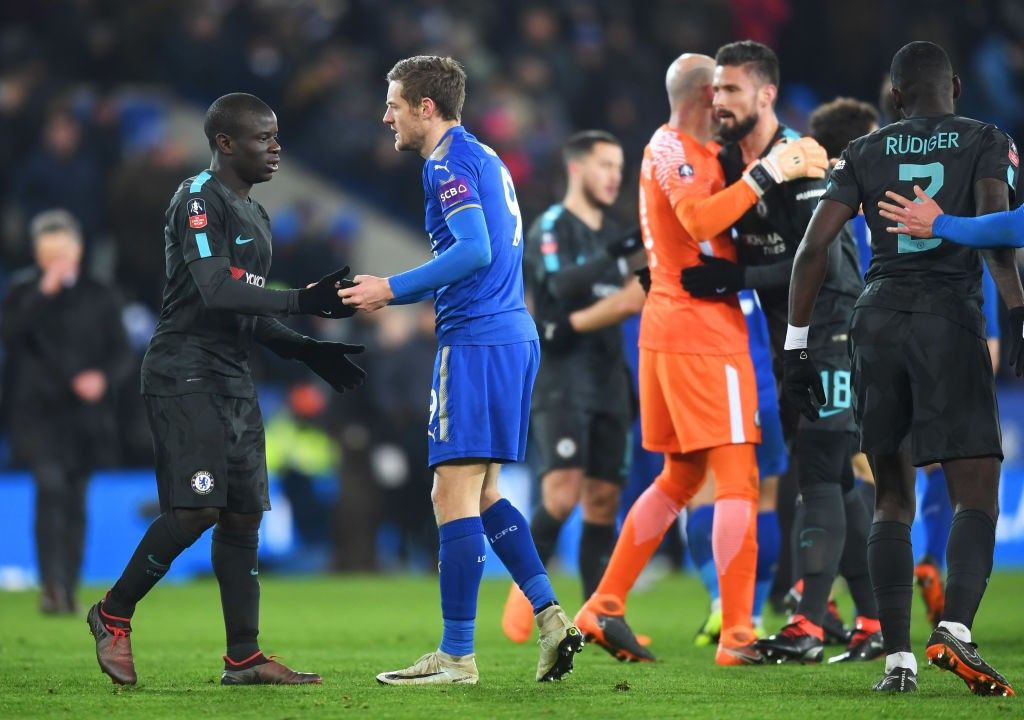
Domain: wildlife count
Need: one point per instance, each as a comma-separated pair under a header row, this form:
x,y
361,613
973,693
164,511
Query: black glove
x,y
1017,340
556,335
626,244
714,278
322,299
801,383
644,274
330,361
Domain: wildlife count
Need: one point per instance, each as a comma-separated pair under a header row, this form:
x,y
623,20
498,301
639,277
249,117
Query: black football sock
x,y
544,528
596,545
891,562
853,566
164,541
972,539
794,540
821,545
237,571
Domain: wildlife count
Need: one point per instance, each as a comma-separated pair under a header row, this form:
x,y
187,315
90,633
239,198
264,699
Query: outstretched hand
x,y
914,217
321,298
330,361
367,293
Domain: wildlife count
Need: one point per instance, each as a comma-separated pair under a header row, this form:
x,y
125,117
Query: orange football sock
x,y
651,515
734,533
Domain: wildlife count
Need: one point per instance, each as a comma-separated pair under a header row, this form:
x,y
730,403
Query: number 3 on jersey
x,y
513,205
936,173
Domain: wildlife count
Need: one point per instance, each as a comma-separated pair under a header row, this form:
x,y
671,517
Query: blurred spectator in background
x,y
67,351
62,172
135,209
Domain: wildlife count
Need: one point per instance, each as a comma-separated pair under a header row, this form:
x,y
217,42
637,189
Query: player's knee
x,y
600,502
739,485
768,493
188,524
559,505
240,523
674,488
560,491
894,505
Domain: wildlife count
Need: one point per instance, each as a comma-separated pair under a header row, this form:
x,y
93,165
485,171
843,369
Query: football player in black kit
x,y
576,255
921,374
834,517
200,399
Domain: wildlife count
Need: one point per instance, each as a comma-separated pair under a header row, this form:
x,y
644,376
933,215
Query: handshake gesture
x,y
788,160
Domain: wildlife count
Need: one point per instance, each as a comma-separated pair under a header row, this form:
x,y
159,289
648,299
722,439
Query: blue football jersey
x,y
488,307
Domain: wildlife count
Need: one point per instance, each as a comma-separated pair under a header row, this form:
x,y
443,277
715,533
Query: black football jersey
x,y
196,349
771,231
945,155
558,240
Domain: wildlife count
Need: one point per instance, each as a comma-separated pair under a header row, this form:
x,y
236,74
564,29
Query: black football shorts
x,y
209,451
574,437
923,380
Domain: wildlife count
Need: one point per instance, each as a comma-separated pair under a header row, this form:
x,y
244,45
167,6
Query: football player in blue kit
x,y
487,360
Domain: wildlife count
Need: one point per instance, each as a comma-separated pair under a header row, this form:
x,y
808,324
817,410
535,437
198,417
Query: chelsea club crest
x,y
202,482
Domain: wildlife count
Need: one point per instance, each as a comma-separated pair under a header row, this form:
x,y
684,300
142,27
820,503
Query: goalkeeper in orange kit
x,y
698,396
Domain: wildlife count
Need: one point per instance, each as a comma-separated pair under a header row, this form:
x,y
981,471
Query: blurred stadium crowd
x,y
74,135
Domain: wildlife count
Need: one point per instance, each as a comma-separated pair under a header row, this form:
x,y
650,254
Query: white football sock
x,y
958,630
901,659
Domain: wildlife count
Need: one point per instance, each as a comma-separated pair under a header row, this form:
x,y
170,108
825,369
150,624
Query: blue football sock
x,y
698,539
769,543
463,551
936,514
509,535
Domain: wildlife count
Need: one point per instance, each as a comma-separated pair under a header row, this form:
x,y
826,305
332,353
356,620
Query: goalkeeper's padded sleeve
x,y
470,252
704,218
220,291
1001,229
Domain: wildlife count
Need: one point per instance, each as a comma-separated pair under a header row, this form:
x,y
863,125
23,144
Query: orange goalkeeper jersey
x,y
685,210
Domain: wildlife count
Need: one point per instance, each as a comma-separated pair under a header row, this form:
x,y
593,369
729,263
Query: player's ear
x,y
224,144
768,93
956,87
427,107
897,99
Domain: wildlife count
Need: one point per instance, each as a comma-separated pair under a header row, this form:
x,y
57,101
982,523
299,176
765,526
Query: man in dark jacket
x,y
68,352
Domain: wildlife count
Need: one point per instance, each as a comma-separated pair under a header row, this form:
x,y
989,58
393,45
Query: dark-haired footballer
x,y
921,378
200,399
576,255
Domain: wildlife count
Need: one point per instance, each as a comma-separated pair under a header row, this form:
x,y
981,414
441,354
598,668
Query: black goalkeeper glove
x,y
644,275
626,244
801,383
322,298
1017,340
330,361
713,278
557,335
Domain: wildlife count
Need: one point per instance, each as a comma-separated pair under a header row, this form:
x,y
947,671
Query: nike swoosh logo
x,y
254,571
156,562
830,413
242,241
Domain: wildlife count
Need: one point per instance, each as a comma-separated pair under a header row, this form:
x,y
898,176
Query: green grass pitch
x,y
350,628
